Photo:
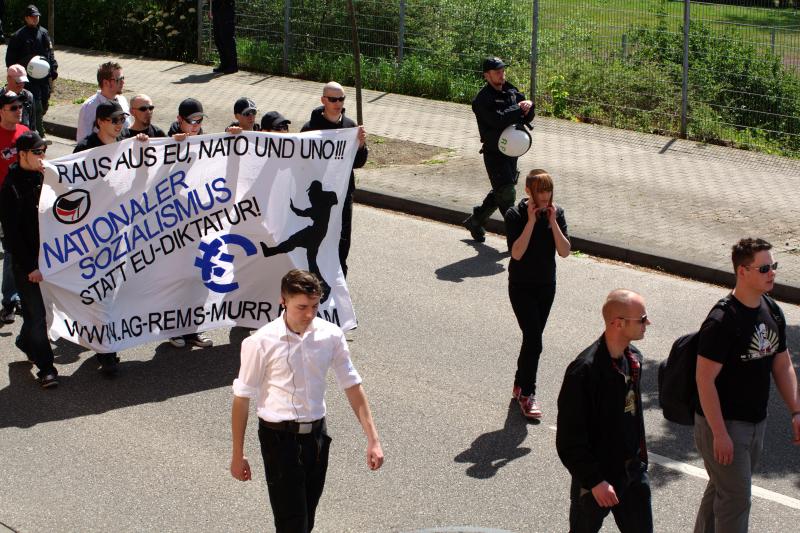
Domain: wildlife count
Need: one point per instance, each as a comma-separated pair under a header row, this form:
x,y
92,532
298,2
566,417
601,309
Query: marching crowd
x,y
600,432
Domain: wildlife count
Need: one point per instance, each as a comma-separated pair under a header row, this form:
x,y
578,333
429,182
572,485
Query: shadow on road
x,y
170,373
486,263
494,450
196,78
780,458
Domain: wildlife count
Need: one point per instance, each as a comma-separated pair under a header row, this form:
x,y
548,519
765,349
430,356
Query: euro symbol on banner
x,y
211,264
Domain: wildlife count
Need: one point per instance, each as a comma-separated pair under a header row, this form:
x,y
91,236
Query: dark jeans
x,y
32,339
223,23
531,306
347,230
503,174
9,289
295,467
633,513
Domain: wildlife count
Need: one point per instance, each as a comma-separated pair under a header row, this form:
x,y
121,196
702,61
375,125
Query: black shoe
x,y
233,70
109,364
49,380
477,232
8,314
218,70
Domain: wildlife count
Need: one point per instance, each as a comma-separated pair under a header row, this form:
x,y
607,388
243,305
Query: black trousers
x,y
347,230
32,339
531,306
295,466
633,513
223,22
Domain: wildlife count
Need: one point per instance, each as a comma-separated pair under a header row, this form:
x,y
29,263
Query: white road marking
x,y
788,501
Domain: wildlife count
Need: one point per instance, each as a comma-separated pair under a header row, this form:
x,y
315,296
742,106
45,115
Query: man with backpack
x,y
740,344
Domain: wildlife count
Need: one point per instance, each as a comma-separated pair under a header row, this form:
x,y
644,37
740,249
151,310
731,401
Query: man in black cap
x,y
244,110
223,22
274,121
497,106
19,215
189,120
30,41
189,123
142,110
109,121
10,131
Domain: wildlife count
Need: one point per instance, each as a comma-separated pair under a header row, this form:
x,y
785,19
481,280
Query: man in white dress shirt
x,y
111,81
283,368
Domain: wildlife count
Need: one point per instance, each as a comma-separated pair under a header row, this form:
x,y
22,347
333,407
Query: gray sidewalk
x,y
668,204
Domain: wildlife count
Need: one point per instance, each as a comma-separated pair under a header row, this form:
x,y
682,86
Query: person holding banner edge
x,y
19,215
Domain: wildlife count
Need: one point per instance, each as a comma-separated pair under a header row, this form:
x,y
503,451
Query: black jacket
x,y
319,122
496,110
26,43
19,214
590,438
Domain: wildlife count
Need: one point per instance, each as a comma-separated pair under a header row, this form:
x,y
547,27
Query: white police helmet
x,y
515,141
38,68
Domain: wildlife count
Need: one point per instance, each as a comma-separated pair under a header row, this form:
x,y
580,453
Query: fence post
x,y
199,11
624,46
772,39
534,50
401,37
287,9
51,20
351,10
685,87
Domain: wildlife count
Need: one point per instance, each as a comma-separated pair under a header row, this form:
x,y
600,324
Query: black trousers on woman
x,y
531,306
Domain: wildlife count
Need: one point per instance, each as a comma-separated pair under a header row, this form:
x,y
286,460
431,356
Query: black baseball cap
x,y
109,109
9,97
191,109
243,105
30,140
272,120
32,11
493,63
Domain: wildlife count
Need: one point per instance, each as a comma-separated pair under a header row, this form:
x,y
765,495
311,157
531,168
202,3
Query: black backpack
x,y
677,388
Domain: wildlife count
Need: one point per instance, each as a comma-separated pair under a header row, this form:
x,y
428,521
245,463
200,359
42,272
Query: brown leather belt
x,y
301,428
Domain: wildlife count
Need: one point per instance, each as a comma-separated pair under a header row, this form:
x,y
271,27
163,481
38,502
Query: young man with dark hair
x,y
741,344
108,125
283,368
16,78
600,436
330,116
274,121
111,81
189,120
244,111
19,215
30,41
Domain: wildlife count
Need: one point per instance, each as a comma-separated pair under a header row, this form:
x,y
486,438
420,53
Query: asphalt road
x,y
436,345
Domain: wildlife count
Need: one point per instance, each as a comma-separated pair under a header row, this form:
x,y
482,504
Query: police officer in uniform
x,y
29,41
497,106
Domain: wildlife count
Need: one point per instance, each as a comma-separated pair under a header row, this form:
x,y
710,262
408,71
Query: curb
x,y
655,261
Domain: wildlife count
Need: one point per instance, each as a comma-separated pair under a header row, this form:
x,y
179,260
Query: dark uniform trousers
x,y
223,22
32,339
295,466
503,176
633,513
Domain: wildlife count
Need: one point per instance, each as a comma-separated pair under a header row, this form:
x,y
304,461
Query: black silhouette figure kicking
x,y
311,236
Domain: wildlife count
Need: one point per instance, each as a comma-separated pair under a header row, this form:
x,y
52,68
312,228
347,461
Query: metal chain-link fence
x,y
614,62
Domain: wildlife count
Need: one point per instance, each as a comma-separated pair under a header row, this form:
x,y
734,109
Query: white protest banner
x,y
145,241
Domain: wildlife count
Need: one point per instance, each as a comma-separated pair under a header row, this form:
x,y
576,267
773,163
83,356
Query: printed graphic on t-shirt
x,y
8,153
763,343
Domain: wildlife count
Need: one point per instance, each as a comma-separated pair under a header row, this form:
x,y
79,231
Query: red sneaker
x,y
530,407
516,391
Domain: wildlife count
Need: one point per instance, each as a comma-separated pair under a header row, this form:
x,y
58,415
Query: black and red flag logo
x,y
72,207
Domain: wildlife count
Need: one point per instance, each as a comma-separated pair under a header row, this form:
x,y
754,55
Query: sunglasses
x,y
334,99
281,127
121,78
250,113
38,151
14,107
763,269
116,120
642,319
146,108
193,122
